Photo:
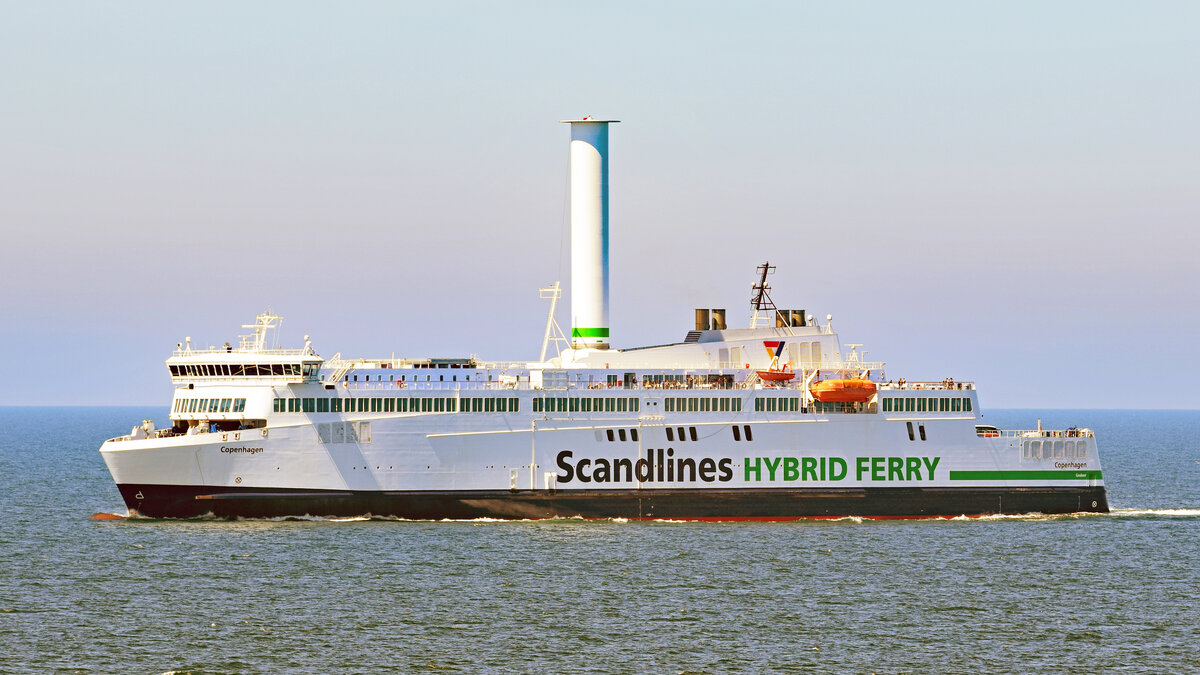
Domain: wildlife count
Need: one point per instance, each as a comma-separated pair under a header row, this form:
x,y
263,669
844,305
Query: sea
x,y
1118,592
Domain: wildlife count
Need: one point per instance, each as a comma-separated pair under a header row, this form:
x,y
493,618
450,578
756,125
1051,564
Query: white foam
x,y
1176,513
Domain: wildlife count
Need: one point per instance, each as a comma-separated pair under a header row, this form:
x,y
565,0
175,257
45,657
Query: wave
x,y
1173,513
1119,513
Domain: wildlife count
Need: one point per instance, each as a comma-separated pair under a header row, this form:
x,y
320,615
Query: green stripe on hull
x,y
589,332
1025,475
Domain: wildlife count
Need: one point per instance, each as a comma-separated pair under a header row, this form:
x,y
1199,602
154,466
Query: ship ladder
x,y
343,367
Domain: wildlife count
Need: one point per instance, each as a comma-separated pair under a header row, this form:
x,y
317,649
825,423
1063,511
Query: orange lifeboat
x,y
772,376
854,390
775,375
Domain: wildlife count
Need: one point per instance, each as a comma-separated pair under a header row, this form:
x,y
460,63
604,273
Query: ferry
x,y
778,420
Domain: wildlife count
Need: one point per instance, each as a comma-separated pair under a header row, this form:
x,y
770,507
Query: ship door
x,y
630,380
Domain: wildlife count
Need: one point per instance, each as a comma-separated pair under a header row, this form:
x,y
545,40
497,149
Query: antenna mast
x,y
762,302
552,330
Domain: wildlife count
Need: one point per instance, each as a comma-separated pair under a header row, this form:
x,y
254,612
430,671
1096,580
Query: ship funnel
x,y
589,233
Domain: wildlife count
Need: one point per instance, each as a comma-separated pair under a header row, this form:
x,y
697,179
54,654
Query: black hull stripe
x,y
188,501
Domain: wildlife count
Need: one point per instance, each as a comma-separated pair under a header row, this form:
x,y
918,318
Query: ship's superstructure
x,y
776,421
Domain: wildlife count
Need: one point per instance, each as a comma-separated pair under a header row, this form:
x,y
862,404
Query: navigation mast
x,y
762,302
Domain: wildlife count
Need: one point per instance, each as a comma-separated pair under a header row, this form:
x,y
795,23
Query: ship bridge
x,y
250,359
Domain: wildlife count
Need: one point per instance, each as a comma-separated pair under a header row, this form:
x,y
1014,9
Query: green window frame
x,y
322,405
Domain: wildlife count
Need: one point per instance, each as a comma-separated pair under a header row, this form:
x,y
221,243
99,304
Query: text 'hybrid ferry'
x,y
775,421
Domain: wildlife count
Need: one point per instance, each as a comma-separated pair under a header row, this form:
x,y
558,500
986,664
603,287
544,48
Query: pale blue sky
x,y
999,192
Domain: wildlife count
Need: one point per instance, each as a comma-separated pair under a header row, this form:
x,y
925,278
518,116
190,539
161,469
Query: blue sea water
x,y
1096,593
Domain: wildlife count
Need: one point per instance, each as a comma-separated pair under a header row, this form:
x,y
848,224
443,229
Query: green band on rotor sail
x,y
589,332
1069,474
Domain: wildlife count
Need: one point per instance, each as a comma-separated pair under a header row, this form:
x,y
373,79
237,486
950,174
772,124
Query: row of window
x,y
913,437
792,404
671,435
617,434
210,405
701,404
243,370
926,404
674,434
407,404
344,432
1057,449
744,429
777,404
586,404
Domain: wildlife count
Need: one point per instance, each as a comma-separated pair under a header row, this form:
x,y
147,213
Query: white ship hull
x,y
775,421
524,465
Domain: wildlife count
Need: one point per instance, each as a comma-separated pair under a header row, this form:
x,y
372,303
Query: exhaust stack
x,y
589,233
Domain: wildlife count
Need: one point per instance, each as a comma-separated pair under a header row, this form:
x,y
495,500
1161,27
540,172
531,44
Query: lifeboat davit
x,y
853,390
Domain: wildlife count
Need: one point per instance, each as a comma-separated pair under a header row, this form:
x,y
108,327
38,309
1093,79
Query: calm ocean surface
x,y
1117,592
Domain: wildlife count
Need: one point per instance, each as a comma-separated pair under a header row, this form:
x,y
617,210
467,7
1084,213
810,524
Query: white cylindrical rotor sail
x,y
589,233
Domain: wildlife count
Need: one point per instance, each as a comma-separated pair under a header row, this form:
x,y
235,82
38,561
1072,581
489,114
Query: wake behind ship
x,y
775,421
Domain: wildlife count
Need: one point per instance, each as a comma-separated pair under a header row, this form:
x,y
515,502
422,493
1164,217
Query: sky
x,y
1006,193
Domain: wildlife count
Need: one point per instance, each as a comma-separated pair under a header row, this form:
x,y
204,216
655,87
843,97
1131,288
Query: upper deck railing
x,y
209,351
1035,433
920,386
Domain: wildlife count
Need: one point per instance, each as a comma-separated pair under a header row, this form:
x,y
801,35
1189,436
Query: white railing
x,y
243,379
1036,433
238,350
944,385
